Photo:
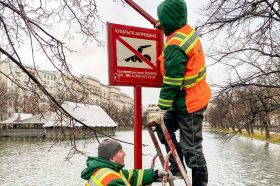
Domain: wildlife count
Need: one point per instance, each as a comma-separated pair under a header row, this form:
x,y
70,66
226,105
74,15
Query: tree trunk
x,y
248,128
266,127
252,127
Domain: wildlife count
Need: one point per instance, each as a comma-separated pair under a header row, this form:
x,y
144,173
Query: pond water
x,y
238,161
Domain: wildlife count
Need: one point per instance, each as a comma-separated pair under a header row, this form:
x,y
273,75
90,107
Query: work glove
x,y
161,173
160,117
157,25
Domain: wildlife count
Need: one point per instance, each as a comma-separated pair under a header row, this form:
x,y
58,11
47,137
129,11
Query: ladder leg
x,y
175,154
159,152
166,161
155,142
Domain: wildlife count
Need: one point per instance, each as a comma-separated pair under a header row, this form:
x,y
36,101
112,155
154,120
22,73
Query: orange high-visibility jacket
x,y
198,92
104,176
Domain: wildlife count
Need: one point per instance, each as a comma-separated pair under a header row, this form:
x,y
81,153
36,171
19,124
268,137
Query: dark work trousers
x,y
190,125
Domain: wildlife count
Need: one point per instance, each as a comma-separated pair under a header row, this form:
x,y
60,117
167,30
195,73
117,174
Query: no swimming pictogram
x,y
137,53
135,58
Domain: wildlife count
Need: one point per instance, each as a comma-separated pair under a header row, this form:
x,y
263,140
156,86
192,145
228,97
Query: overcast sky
x,y
92,60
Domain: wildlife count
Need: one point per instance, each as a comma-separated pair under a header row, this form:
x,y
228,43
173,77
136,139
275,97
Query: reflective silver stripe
x,y
140,177
97,178
191,80
177,36
94,182
172,81
188,45
124,179
169,41
104,172
187,41
130,173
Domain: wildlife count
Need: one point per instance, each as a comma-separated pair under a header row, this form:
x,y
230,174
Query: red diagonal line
x,y
136,52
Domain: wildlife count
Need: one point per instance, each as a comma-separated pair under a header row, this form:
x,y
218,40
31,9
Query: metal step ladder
x,y
165,161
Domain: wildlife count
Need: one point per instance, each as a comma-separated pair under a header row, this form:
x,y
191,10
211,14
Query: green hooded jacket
x,y
172,15
95,163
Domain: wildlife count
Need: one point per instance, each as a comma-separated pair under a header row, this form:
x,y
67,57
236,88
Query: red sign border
x,y
112,65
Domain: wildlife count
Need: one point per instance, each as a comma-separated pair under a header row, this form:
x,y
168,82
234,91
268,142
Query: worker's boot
x,y
199,176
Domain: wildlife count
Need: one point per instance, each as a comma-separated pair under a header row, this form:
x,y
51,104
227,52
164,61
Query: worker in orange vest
x,y
107,168
185,93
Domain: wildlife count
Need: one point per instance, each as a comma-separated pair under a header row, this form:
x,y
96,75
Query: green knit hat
x,y
172,15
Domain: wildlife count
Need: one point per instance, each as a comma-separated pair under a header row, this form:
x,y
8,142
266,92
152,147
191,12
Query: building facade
x,y
25,95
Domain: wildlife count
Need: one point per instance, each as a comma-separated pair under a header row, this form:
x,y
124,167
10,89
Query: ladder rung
x,y
151,124
164,162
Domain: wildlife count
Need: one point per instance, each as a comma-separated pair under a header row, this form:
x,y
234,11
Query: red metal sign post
x,y
137,94
137,127
142,12
132,54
